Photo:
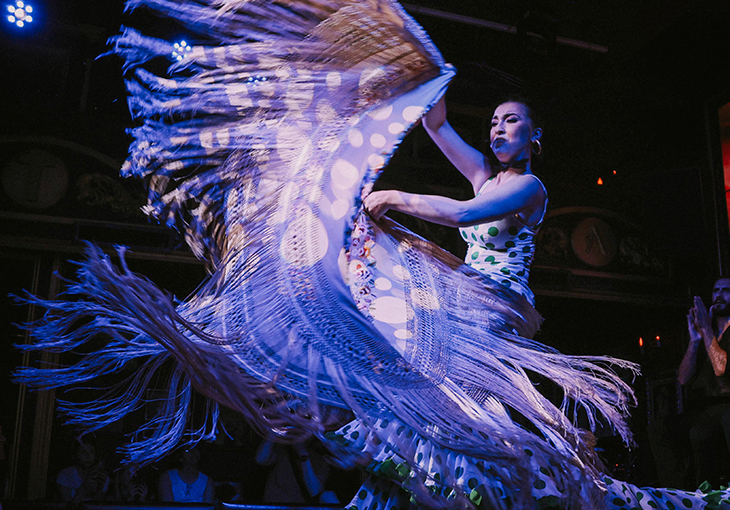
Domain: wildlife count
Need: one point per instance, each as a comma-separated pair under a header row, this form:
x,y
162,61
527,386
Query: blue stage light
x,y
181,50
19,13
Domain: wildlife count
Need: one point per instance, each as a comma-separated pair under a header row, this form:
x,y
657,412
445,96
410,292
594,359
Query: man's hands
x,y
700,323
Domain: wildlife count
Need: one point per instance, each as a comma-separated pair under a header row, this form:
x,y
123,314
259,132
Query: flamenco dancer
x,y
259,146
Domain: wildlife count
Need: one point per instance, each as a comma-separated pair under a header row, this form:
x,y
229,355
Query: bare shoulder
x,y
532,183
537,202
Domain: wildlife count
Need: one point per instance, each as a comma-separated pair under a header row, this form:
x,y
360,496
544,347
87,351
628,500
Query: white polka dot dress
x,y
503,250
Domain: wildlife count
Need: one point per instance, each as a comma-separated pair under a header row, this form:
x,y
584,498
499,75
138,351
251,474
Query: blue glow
x,y
181,50
20,14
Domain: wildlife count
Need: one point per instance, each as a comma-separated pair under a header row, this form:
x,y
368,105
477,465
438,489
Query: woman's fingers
x,y
375,204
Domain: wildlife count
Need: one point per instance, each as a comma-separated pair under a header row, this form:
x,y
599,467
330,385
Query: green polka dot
x,y
437,477
509,244
539,484
652,504
619,502
472,483
493,231
670,505
400,430
419,457
489,259
522,236
490,246
512,231
362,494
512,255
439,459
528,452
687,502
473,236
475,255
476,227
463,234
506,283
459,472
355,435
551,501
504,270
545,471
526,249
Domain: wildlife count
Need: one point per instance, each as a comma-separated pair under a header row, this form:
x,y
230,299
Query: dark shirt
x,y
713,386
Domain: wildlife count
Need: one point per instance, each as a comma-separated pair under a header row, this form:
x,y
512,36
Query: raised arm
x,y
522,194
703,324
468,160
689,362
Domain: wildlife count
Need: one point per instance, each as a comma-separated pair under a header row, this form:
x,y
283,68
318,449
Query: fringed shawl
x,y
259,145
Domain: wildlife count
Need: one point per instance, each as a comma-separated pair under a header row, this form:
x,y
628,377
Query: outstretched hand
x,y
378,203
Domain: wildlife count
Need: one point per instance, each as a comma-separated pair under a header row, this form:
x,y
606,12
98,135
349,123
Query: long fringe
x,y
257,147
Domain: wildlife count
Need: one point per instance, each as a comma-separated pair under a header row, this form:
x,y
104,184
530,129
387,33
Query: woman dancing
x,y
258,146
509,198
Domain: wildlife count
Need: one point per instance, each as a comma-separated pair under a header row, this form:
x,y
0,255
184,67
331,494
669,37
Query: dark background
x,y
633,105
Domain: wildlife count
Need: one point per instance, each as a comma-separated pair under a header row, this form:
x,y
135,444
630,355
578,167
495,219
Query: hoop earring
x,y
539,147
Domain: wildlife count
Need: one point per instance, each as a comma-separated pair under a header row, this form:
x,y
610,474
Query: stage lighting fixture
x,y
19,13
182,49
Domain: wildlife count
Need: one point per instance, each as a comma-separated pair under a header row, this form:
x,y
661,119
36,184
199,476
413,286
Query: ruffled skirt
x,y
445,479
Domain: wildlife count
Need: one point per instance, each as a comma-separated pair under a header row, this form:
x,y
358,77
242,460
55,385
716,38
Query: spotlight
x,y
19,13
181,50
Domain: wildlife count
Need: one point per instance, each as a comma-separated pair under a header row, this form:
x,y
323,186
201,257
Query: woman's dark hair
x,y
525,101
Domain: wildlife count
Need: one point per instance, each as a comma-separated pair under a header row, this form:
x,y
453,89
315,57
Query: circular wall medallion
x,y
594,242
35,179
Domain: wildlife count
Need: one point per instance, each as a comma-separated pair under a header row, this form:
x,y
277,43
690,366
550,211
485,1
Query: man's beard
x,y
721,309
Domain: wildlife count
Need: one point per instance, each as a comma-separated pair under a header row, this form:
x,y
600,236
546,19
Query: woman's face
x,y
512,132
